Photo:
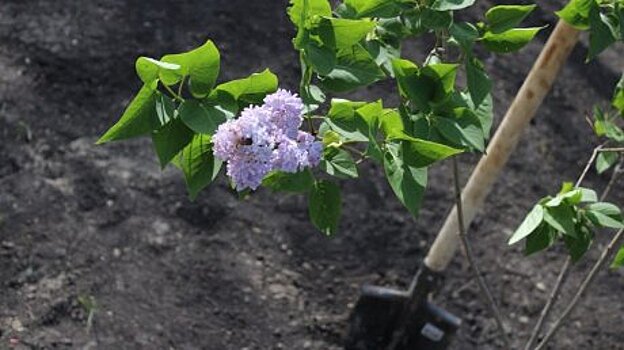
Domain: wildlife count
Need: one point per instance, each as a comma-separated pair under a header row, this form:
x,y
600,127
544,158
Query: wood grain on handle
x,y
522,109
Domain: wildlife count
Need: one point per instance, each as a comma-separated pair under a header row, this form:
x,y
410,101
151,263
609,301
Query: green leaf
x,y
619,259
607,209
342,118
407,182
199,165
322,59
620,14
452,5
618,94
139,118
576,13
421,153
561,218
202,66
604,126
165,109
578,246
325,206
383,54
201,118
603,31
462,130
485,113
431,84
339,163
313,97
148,69
170,139
354,68
541,238
601,220
392,125
251,89
301,181
464,34
504,17
370,114
561,197
479,84
299,12
588,195
606,160
509,41
330,138
443,74
422,20
528,225
416,152
373,8
418,90
340,33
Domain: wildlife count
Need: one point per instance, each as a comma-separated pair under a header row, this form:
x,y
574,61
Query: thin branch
x,y
612,149
362,159
352,149
588,165
565,269
485,291
181,86
563,274
584,285
173,93
614,175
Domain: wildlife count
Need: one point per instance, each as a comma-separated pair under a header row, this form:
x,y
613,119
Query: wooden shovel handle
x,y
522,109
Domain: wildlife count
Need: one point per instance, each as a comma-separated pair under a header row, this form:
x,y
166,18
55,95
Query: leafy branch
x,y
606,253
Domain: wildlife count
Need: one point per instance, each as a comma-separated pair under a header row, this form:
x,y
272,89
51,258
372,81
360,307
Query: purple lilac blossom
x,y
265,139
286,111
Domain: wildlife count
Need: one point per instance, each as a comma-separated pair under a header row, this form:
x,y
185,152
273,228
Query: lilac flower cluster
x,y
264,139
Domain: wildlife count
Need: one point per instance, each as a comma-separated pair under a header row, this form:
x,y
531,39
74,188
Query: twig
x,y
563,274
565,269
612,149
584,285
353,149
616,172
181,86
173,93
472,261
588,165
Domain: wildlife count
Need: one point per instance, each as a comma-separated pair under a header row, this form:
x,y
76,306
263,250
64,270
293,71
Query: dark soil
x,y
81,221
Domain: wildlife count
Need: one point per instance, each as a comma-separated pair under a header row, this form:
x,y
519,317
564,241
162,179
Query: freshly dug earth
x,y
103,223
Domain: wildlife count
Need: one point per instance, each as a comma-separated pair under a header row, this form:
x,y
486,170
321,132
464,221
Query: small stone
x,y
541,286
17,326
523,319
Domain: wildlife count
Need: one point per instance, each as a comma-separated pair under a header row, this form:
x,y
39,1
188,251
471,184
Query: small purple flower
x,y
313,148
265,139
286,111
287,155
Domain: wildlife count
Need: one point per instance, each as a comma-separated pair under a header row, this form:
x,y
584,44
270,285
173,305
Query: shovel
x,y
391,319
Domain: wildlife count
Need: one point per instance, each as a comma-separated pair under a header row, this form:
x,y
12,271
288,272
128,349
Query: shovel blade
x,y
377,313
374,318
